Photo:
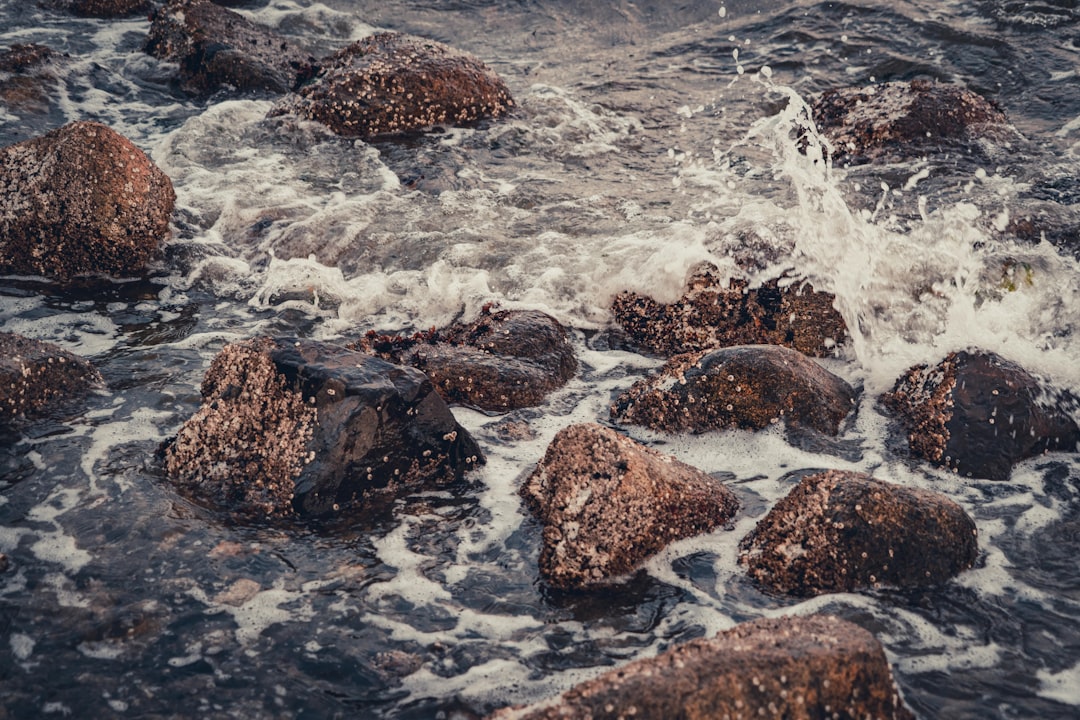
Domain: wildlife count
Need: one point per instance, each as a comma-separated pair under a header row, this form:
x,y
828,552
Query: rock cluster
x,y
37,376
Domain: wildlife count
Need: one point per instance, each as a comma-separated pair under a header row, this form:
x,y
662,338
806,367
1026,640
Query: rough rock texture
x,y
750,387
392,83
1032,14
710,316
36,375
217,47
101,8
802,668
304,427
979,414
840,531
27,83
80,200
607,503
898,120
502,361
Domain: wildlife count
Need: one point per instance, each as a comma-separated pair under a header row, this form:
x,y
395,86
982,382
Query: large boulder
x,y
607,503
217,48
37,376
391,83
979,414
841,531
81,200
302,427
817,666
749,387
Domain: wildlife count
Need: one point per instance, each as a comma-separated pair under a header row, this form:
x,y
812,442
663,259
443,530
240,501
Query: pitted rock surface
x,y
392,83
81,200
841,531
36,375
749,387
608,503
802,668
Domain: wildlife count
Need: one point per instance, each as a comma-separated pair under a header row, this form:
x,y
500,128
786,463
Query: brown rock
x,y
27,83
802,668
102,8
35,376
749,387
392,83
841,531
979,414
80,200
608,503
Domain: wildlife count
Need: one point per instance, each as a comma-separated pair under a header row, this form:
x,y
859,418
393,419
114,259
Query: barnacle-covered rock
x,y
101,8
1031,14
36,376
27,81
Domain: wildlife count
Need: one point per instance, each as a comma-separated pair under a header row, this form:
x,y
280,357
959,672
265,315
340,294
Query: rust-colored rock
x,y
841,531
27,83
81,200
607,503
749,387
35,376
979,414
801,668
392,83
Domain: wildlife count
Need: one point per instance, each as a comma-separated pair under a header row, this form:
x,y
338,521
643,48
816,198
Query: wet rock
x,y
900,120
608,503
749,387
502,361
217,48
101,8
80,200
711,316
979,414
36,376
392,83
1032,14
27,83
817,666
311,428
841,531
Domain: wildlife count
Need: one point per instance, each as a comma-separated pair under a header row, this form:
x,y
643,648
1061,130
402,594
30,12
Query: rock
x,y
27,83
392,83
36,376
219,48
1031,14
709,316
817,666
749,387
302,427
841,531
80,200
979,414
101,8
607,503
502,361
899,120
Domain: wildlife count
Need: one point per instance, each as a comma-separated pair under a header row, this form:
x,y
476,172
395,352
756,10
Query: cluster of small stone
x,y
36,375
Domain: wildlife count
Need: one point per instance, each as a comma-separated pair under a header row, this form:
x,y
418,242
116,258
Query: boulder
x,y
749,387
217,48
840,531
80,200
712,316
817,666
608,503
391,83
979,414
37,376
27,83
102,8
302,427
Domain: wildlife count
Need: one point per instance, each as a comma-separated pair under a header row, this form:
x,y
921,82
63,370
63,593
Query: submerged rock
x,y
101,8
1032,14
841,531
817,666
27,83
749,387
979,414
607,503
305,427
392,83
36,376
81,200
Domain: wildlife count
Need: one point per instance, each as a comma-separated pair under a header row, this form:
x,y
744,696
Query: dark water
x,y
649,137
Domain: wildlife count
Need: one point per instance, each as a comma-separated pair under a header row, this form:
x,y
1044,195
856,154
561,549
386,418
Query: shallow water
x,y
649,137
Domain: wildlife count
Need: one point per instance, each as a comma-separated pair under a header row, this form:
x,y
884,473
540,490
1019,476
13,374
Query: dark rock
x,y
305,427
979,414
709,316
793,667
35,376
219,48
608,503
20,58
27,83
102,8
749,387
80,200
392,83
1032,14
899,120
841,531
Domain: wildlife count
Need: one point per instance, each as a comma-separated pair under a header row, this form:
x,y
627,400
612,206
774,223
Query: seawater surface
x,y
649,138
